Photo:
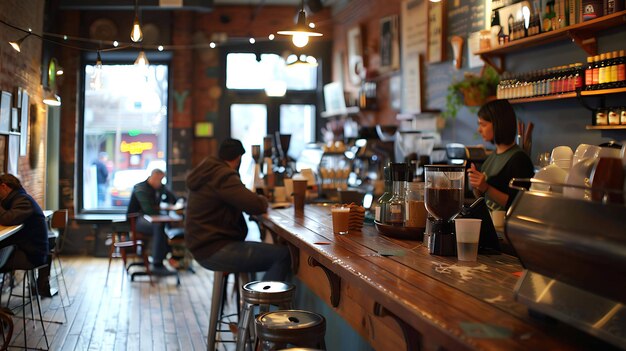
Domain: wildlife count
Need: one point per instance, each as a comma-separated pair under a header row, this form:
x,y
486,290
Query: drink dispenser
x,y
443,199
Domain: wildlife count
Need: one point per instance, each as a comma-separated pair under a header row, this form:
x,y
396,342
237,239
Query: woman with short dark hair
x,y
497,124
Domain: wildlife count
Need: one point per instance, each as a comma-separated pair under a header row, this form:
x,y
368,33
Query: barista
x,y
497,124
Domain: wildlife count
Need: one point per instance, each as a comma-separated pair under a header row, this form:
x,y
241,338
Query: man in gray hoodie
x,y
215,229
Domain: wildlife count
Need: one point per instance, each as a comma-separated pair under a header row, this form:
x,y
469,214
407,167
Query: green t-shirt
x,y
501,168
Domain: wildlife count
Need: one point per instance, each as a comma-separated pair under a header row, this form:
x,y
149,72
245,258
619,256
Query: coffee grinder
x,y
258,183
443,199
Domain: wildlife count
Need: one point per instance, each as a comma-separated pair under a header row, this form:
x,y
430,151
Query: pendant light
x,y
51,99
136,35
16,44
301,32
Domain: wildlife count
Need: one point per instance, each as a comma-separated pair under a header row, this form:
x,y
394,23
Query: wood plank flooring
x,y
124,315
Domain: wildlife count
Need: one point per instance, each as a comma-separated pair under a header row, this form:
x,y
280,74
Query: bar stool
x,y
279,329
263,294
217,305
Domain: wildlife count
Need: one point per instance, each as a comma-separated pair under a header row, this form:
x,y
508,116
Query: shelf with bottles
x,y
583,34
604,74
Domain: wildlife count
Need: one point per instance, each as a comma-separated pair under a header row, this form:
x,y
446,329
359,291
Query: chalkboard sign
x,y
465,17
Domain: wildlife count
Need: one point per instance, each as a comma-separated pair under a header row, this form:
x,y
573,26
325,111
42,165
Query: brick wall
x,y
23,70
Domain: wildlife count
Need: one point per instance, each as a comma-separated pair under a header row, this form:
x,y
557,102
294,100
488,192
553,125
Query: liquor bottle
x,y
383,200
621,69
602,72
613,70
578,77
396,209
595,73
589,72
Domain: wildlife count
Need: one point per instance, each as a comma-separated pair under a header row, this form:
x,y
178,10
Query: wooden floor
x,y
124,315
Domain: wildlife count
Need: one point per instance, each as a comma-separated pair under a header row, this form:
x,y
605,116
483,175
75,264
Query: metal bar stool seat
x,y
263,294
279,329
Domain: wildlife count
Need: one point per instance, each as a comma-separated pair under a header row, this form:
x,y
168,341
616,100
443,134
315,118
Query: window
x,y
240,67
124,132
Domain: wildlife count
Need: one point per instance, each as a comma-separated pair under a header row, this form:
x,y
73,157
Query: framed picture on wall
x,y
13,154
389,44
356,67
436,50
5,112
24,122
3,153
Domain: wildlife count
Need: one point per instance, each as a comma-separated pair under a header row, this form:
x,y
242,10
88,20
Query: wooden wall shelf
x,y
613,127
583,34
568,95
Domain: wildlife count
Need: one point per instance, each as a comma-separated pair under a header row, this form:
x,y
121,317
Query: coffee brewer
x,y
443,199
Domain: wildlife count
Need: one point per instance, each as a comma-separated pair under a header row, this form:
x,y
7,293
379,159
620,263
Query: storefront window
x,y
124,131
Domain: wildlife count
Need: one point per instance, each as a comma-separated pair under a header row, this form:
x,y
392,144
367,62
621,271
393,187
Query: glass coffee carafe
x,y
443,199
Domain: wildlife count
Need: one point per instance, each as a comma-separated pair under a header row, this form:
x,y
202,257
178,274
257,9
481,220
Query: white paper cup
x,y
498,218
467,236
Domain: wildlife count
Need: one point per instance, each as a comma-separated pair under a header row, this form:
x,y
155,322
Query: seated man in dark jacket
x,y
31,242
146,199
215,229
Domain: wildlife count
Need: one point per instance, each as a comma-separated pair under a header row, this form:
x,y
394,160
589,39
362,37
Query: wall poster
x,y
389,44
13,154
356,67
436,51
413,23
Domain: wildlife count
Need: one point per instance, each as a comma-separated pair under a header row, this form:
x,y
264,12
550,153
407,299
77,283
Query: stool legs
x,y
219,281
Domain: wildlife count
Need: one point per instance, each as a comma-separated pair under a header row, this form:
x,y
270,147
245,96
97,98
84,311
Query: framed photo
x,y
436,50
13,154
15,119
356,67
389,44
3,153
24,122
5,112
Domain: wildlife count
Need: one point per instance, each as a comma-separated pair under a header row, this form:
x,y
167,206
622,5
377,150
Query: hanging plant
x,y
474,90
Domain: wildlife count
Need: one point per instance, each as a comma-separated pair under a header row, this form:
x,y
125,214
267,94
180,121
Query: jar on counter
x,y
415,208
622,118
601,117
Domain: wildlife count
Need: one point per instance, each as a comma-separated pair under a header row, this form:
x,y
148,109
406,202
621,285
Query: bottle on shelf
x,y
595,72
621,69
602,72
589,72
613,70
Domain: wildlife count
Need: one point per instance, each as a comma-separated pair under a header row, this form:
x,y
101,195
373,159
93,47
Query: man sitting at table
x,y
215,229
146,199
31,242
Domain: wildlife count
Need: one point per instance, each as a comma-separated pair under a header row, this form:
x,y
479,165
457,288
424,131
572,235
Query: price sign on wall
x,y
436,25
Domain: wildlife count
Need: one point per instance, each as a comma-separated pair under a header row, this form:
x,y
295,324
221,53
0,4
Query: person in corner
x,y
215,229
146,198
30,244
497,124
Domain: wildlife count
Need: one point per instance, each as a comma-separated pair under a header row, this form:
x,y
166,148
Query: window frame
x,y
322,52
113,58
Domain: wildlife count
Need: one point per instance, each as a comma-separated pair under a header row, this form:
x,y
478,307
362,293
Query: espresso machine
x,y
444,200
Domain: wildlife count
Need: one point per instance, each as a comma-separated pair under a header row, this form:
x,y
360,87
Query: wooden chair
x,y
129,245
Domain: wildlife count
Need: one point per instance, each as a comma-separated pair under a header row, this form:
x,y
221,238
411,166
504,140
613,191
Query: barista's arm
x,y
478,180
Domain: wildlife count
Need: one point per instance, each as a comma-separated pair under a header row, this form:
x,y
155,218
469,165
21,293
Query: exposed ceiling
x,y
196,5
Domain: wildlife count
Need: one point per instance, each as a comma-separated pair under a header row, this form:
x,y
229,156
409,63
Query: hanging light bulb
x,y
300,40
16,44
142,59
301,32
136,35
99,62
252,40
96,79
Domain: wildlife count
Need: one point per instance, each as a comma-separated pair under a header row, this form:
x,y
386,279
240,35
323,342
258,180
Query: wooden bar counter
x,y
399,297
